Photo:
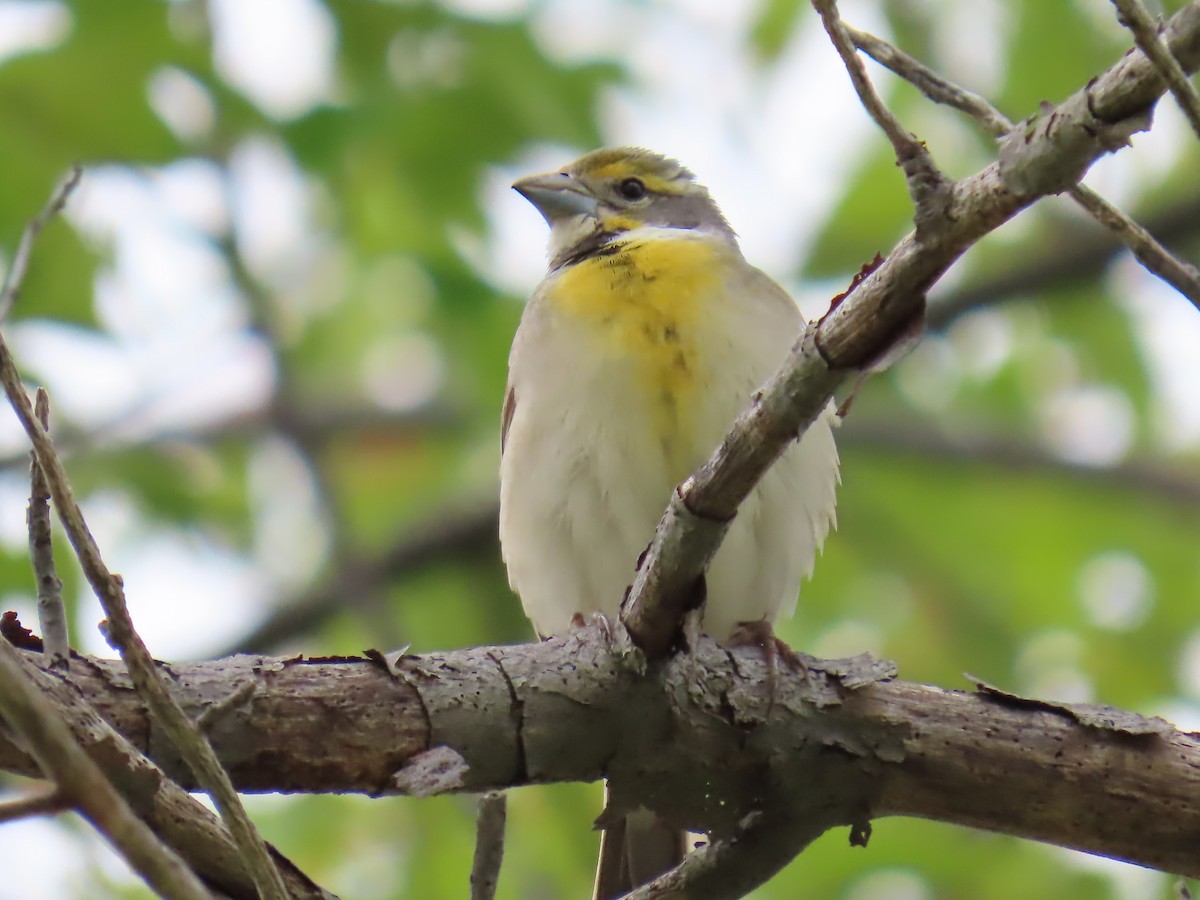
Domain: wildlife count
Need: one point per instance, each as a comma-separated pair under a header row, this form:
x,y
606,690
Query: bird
x,y
647,337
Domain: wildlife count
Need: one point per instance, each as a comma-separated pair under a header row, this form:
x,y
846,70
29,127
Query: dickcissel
x,y
635,354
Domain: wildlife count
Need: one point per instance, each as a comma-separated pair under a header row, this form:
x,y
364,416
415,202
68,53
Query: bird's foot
x,y
759,633
579,622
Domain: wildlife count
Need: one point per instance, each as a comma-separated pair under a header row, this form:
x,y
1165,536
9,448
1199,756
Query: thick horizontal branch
x,y
572,709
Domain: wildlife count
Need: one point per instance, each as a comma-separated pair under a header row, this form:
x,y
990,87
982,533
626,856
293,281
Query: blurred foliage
x,y
947,565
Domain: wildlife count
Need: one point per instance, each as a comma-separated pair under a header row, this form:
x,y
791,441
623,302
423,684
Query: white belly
x,y
582,489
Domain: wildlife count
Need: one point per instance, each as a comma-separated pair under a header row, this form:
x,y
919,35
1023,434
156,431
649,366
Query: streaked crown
x,y
611,191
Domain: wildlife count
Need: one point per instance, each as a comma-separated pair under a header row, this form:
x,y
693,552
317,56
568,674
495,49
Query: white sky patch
x,y
271,207
188,596
969,40
1115,590
489,9
1168,328
176,352
1189,666
279,53
1091,424
291,540
890,884
403,371
1048,665
27,26
1129,882
182,102
193,193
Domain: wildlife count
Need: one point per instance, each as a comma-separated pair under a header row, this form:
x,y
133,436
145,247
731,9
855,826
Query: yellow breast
x,y
647,300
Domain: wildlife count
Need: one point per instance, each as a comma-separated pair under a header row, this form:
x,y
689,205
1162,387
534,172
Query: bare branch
x,y
1146,33
1153,256
730,868
60,758
16,272
572,709
926,184
1182,276
52,613
184,733
44,801
489,845
1048,155
183,822
1077,253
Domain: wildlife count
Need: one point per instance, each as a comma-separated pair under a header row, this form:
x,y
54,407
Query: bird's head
x,y
609,192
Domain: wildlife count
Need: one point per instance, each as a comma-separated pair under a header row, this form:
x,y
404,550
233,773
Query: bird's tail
x,y
634,850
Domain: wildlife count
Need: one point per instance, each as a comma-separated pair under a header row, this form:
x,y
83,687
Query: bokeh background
x,y
275,317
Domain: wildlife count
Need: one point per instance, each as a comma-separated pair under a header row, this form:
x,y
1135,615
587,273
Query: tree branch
x,y
1133,15
1047,154
1079,253
730,868
121,633
844,743
44,801
52,613
60,758
489,845
1146,249
11,287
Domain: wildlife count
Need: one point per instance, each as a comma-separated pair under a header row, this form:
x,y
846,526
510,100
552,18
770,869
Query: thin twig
x,y
1146,249
1156,258
489,845
929,82
177,817
1147,35
926,184
20,262
52,614
45,801
1077,254
188,739
61,758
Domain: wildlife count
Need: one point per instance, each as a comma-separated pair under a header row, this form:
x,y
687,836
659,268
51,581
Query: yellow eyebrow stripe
x,y
622,169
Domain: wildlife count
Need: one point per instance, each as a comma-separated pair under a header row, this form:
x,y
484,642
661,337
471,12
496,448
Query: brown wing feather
x,y
510,406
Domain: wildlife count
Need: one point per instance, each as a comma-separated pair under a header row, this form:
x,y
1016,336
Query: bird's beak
x,y
557,196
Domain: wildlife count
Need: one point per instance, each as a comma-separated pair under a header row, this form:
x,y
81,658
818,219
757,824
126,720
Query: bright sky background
x,y
772,147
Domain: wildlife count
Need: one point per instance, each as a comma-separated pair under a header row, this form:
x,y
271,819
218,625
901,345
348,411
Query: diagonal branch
x,y
1049,153
1146,249
926,184
52,612
16,272
1133,15
45,801
78,778
108,588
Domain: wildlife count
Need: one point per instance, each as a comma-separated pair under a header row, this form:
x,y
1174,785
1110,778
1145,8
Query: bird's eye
x,y
632,189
